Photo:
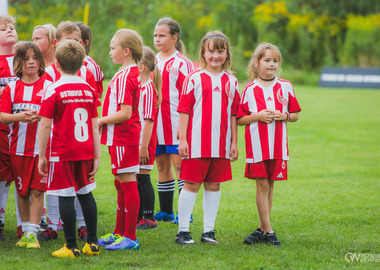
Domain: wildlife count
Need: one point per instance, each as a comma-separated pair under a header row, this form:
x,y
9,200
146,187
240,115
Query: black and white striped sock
x,y
166,194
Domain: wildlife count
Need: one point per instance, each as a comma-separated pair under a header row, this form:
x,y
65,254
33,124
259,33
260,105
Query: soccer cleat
x,y
123,243
82,233
32,242
47,234
2,238
22,242
66,252
146,224
176,219
19,232
91,249
209,238
43,225
162,216
108,239
270,238
255,237
60,226
184,238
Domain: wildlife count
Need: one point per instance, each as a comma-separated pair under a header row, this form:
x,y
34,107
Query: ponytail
x,y
157,83
149,61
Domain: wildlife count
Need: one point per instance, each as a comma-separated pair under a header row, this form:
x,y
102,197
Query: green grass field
x,y
329,206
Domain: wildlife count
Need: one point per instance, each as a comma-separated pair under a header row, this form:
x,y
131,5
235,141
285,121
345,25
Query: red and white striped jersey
x,y
267,141
147,110
96,70
173,71
210,101
54,75
7,75
124,88
71,104
17,97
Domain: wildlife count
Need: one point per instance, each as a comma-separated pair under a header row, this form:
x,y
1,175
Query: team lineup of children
x,y
50,91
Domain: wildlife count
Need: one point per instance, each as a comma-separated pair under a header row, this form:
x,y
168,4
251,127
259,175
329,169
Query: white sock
x,y
4,193
186,204
19,222
80,217
25,226
53,211
210,209
32,229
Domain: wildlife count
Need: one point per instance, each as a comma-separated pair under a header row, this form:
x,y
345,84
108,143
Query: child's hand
x,y
278,116
183,149
42,166
31,116
144,155
234,152
266,116
95,167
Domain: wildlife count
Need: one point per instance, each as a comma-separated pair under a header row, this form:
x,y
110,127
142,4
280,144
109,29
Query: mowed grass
x,y
329,206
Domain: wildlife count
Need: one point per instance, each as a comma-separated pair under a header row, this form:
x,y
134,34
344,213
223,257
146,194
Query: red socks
x,y
120,213
132,205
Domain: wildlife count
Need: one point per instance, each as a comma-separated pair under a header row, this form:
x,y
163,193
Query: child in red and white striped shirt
x,y
20,104
267,104
207,134
121,128
150,99
174,67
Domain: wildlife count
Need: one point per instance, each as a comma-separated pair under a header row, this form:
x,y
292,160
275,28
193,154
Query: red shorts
x,y
68,178
149,165
26,176
210,170
124,159
5,160
273,169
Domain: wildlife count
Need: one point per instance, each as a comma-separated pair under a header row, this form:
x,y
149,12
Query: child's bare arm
x,y
96,142
265,116
183,147
124,114
8,118
43,138
290,117
147,133
234,149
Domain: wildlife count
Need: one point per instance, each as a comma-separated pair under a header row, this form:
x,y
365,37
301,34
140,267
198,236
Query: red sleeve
x,y
293,105
48,104
149,103
186,100
6,104
235,103
126,86
243,106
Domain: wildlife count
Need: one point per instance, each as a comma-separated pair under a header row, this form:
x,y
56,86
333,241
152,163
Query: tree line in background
x,y
310,34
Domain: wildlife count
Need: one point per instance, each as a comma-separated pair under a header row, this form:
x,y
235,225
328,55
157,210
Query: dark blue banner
x,y
350,77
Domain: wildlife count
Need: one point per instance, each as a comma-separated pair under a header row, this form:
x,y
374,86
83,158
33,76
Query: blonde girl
x,y
121,132
207,134
267,104
44,36
174,67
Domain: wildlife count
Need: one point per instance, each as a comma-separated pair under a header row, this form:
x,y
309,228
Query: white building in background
x,y
3,7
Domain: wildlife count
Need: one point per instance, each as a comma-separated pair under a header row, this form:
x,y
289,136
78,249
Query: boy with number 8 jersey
x,y
69,109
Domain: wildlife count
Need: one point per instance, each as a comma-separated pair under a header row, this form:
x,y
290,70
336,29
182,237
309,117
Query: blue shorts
x,y
166,149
